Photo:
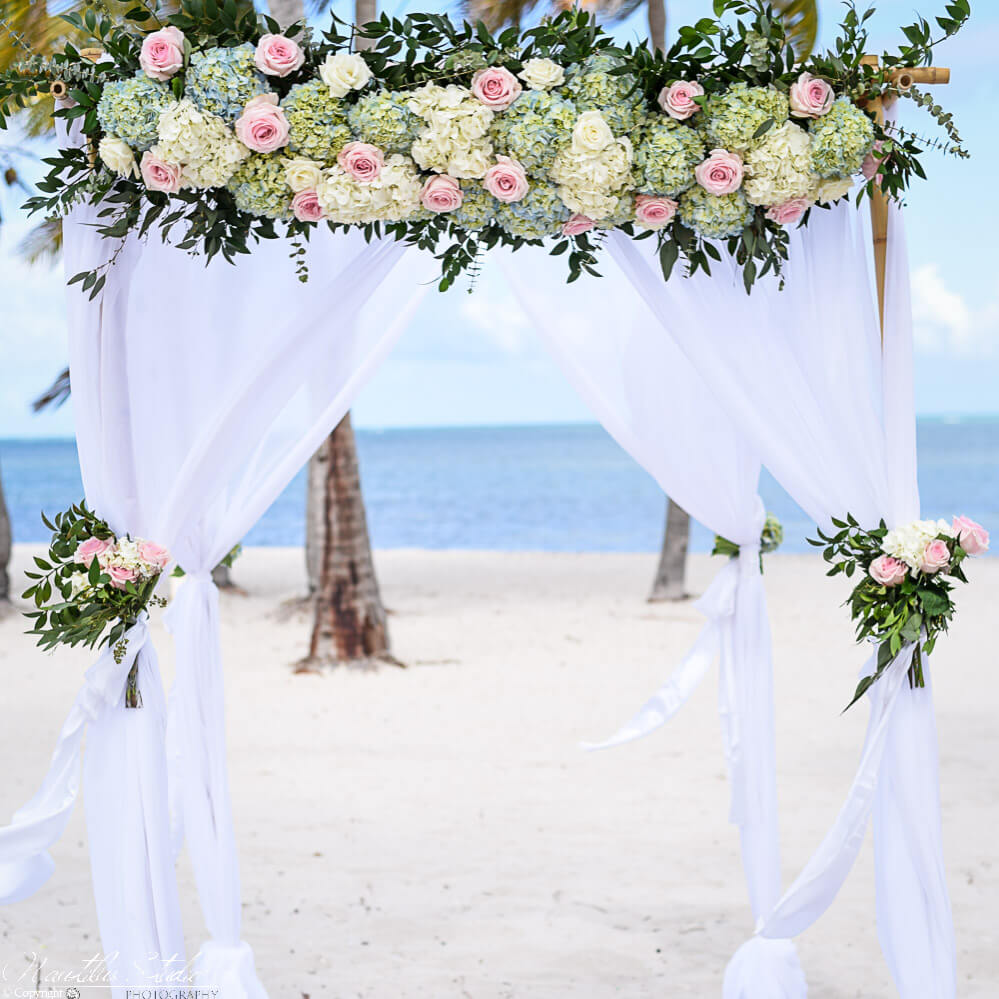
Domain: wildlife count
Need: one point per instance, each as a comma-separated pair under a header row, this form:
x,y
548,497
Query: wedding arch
x,y
778,347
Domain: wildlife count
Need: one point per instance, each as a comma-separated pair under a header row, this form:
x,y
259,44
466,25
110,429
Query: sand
x,y
436,832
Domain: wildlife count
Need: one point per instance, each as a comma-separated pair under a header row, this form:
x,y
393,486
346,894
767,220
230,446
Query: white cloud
x,y
945,322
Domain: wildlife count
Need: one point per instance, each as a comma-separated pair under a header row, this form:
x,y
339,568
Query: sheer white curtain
x,y
199,392
652,400
800,371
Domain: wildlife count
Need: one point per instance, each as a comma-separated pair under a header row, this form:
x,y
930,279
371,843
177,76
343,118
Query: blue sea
x,y
526,488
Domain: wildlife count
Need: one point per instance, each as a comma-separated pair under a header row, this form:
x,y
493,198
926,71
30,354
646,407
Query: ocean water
x,y
540,488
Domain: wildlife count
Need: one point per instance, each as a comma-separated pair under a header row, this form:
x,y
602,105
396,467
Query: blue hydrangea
x,y
665,156
534,129
538,214
317,121
222,80
714,216
383,119
478,207
841,139
591,87
732,117
258,186
130,109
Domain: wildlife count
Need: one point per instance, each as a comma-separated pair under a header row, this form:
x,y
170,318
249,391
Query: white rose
x,y
542,74
302,174
591,133
118,157
827,191
344,72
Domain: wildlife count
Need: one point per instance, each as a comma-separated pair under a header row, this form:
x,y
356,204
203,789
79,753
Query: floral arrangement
x,y
907,575
213,121
93,586
771,538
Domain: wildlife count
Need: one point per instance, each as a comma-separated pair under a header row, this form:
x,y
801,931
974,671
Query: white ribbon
x,y
25,864
718,606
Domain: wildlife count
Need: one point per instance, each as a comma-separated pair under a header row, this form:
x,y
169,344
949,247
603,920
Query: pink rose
x,y
577,225
506,180
154,555
277,55
362,161
307,208
162,53
789,212
441,194
496,87
810,97
654,212
120,576
972,537
677,100
158,175
262,126
888,571
936,556
720,173
90,549
872,163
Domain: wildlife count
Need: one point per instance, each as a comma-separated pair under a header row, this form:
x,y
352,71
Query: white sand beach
x,y
436,831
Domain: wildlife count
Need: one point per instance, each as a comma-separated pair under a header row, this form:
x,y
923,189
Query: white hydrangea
x,y
908,541
827,191
126,554
79,584
205,148
394,195
455,136
780,167
594,169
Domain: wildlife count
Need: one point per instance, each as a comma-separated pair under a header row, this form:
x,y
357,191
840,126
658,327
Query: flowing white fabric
x,y
799,370
652,400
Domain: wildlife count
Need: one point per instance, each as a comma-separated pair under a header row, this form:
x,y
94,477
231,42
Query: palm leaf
x,y
801,24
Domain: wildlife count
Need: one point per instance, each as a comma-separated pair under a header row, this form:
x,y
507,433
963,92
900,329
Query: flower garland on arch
x,y
456,140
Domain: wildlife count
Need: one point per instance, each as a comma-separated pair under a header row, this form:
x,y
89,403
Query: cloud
x,y
945,322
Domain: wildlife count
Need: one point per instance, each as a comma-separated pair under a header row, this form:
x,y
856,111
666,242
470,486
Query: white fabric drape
x,y
799,370
198,392
652,400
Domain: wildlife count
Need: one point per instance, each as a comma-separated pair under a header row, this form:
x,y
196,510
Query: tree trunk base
x,y
6,608
668,594
326,664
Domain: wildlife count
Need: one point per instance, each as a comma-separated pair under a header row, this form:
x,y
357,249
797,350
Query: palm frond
x,y
43,243
55,395
801,24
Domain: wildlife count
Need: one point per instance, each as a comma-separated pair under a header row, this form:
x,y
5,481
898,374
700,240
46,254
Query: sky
x,y
474,360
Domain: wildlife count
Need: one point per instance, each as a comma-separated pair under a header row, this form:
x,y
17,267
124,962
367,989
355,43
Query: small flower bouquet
x,y
93,586
907,575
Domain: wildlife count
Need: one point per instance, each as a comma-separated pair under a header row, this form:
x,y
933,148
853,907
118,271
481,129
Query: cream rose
x,y
542,74
343,72
591,133
117,156
302,174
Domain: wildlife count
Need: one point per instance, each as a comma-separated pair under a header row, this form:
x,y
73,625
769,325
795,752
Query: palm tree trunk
x,y
657,24
287,12
671,575
6,539
350,625
364,11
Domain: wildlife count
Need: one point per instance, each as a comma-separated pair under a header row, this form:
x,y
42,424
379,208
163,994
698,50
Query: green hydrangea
x,y
714,216
732,117
665,156
841,139
130,109
478,207
591,87
317,121
382,119
222,81
625,212
258,186
534,129
540,213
